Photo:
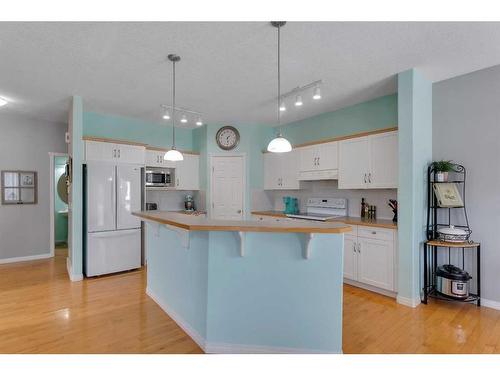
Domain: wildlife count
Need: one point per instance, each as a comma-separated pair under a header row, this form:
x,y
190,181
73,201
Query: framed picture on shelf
x,y
447,195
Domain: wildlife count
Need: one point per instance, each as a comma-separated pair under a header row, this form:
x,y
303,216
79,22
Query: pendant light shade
x,y
279,144
173,155
317,93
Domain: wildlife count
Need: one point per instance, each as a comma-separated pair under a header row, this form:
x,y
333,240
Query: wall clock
x,y
227,138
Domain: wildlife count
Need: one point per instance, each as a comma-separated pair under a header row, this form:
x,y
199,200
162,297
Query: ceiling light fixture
x,y
279,144
317,93
282,106
199,122
173,154
184,119
166,114
3,102
298,101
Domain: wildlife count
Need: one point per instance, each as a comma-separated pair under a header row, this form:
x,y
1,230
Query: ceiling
x,y
228,69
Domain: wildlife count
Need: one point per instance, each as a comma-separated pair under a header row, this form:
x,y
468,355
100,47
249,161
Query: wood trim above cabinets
x,y
343,137
154,148
110,140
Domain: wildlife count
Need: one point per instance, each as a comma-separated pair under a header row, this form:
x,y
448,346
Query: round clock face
x,y
227,137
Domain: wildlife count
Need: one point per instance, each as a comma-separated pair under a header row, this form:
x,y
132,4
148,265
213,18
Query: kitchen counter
x,y
248,286
200,223
380,223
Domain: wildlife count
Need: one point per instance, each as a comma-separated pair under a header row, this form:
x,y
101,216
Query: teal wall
x,y
371,115
60,220
154,134
267,299
76,220
415,154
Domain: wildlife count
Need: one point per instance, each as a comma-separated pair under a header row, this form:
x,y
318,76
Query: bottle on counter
x,y
363,207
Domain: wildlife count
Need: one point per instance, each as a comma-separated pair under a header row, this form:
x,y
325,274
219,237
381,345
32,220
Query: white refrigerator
x,y
113,238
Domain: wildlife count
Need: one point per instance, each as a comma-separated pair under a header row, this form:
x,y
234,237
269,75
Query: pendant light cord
x,y
173,108
279,82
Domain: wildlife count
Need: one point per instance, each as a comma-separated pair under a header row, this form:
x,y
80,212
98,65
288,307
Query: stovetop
x,y
322,209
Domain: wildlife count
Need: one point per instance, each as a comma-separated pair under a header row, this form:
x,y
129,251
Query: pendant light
x,y
173,154
279,144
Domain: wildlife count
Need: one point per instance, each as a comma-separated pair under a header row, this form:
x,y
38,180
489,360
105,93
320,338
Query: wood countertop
x,y
199,223
379,223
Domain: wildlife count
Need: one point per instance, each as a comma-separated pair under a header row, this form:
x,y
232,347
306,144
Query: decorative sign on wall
x,y
19,187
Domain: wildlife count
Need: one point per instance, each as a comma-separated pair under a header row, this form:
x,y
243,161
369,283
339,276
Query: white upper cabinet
x,y
154,158
281,171
354,163
369,162
384,160
114,152
187,173
319,162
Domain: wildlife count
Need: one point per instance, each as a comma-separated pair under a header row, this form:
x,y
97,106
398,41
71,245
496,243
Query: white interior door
x,y
227,187
101,197
128,179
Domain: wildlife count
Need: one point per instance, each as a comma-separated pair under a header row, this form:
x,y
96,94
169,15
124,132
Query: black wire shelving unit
x,y
433,244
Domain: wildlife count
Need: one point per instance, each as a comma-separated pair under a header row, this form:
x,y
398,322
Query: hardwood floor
x,y
41,311
377,324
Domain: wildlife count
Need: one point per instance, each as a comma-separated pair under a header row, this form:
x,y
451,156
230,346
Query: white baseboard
x,y
224,348
186,327
408,301
26,258
217,348
490,303
72,276
374,289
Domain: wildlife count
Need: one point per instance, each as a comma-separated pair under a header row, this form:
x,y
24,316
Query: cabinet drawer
x,y
376,233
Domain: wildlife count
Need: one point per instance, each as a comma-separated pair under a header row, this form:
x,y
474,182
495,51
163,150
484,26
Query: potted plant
x,y
441,168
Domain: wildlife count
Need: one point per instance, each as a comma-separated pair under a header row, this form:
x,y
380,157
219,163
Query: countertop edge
x,y
236,228
349,220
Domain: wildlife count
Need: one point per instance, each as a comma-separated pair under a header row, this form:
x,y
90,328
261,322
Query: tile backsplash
x,y
273,200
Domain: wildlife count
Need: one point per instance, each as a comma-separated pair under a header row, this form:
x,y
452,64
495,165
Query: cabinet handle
x,y
318,159
359,248
365,178
370,178
114,153
354,246
118,152
374,232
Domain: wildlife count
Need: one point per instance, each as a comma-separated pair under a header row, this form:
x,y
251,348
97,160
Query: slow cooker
x,y
452,281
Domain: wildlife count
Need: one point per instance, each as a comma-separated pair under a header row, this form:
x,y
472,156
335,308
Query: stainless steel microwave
x,y
159,177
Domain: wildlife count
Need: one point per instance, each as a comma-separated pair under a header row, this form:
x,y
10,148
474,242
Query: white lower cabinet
x,y
369,257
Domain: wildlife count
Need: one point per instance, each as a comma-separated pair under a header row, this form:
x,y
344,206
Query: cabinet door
x,y
187,173
288,165
98,151
350,258
272,173
130,154
152,158
383,161
307,157
353,163
327,156
376,263
128,179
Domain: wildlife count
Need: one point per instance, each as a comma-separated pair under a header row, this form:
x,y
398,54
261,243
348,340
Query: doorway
x,y
227,187
58,202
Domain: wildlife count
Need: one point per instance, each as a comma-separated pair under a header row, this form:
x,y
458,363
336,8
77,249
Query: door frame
x,y
52,156
211,156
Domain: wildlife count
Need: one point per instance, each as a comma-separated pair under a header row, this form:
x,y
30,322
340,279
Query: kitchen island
x,y
248,286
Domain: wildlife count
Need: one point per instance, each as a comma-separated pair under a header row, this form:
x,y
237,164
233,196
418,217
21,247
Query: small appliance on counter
x,y
150,206
452,281
189,203
323,209
291,205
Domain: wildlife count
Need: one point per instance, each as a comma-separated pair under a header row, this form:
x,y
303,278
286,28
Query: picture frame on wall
x,y
19,187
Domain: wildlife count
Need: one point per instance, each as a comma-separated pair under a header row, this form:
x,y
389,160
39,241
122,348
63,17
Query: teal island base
x,y
268,298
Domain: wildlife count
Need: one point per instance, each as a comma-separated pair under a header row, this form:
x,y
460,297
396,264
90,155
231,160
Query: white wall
x,y
466,129
376,197
25,144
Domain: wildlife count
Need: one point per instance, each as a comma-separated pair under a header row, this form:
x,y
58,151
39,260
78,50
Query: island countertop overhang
x,y
199,223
